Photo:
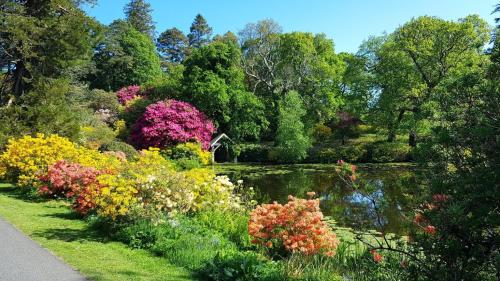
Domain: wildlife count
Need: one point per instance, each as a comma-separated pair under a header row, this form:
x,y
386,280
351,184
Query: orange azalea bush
x,y
297,226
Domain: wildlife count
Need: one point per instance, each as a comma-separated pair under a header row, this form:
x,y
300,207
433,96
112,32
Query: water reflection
x,y
391,191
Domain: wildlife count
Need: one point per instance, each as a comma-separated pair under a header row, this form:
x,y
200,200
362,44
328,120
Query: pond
x,y
392,192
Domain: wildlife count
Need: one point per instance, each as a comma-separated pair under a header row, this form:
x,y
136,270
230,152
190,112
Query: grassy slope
x,y
53,226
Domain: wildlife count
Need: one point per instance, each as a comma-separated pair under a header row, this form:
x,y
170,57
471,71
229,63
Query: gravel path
x,y
22,259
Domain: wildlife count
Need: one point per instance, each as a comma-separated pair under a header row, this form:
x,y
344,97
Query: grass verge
x,y
54,226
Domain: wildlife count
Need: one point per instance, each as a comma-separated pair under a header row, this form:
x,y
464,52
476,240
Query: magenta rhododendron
x,y
128,93
170,122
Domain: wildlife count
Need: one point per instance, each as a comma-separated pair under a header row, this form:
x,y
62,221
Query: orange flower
x,y
430,230
378,258
353,168
269,244
311,194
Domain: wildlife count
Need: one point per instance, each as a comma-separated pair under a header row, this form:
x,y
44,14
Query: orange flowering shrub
x,y
297,226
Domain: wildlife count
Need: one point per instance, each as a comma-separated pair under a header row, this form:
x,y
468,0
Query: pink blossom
x,y
170,122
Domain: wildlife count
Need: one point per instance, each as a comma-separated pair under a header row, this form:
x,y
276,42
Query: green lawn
x,y
53,225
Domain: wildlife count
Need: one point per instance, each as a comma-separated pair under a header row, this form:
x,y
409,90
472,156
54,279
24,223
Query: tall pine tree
x,y
138,13
199,32
172,44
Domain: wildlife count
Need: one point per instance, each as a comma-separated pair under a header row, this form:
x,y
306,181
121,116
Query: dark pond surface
x,y
389,191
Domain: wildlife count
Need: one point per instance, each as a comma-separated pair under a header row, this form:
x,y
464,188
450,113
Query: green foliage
x,y
384,152
43,39
199,32
292,141
126,148
253,152
172,45
242,266
138,14
349,153
213,83
125,57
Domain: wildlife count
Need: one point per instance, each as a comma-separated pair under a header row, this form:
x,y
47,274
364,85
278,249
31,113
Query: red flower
x,y
431,230
440,198
354,168
378,258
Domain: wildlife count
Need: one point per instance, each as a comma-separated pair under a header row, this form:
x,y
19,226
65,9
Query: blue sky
x,y
348,23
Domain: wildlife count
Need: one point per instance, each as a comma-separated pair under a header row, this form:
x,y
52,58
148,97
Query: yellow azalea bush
x,y
116,195
212,191
127,188
25,158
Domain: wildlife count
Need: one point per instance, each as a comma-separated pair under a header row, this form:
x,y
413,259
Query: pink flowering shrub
x,y
297,226
171,122
128,93
64,179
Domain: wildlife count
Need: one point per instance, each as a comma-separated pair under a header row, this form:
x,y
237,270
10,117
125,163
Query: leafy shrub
x,y
232,225
251,152
126,148
390,152
133,110
294,227
94,136
170,122
240,266
128,93
321,132
354,153
188,155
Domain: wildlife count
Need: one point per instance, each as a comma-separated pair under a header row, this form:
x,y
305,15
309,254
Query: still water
x,y
384,206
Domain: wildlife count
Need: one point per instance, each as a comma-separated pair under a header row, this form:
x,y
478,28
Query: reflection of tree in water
x,y
392,190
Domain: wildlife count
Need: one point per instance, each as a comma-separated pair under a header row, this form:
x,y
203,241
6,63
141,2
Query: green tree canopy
x,y
213,81
292,140
200,32
125,57
138,14
172,45
34,43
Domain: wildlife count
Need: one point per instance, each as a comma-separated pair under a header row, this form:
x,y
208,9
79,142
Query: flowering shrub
x,y
211,191
28,157
116,194
170,122
128,93
64,179
169,193
294,227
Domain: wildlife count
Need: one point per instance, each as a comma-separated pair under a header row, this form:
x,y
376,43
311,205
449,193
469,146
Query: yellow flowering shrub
x,y
116,194
119,191
212,191
26,158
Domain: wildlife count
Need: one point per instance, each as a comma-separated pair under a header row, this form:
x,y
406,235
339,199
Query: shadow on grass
x,y
24,194
65,216
70,235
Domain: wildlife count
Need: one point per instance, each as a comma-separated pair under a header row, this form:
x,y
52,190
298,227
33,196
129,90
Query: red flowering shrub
x,y
294,227
85,201
64,179
128,93
170,122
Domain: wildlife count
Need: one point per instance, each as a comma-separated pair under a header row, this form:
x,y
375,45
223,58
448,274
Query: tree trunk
x,y
412,139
